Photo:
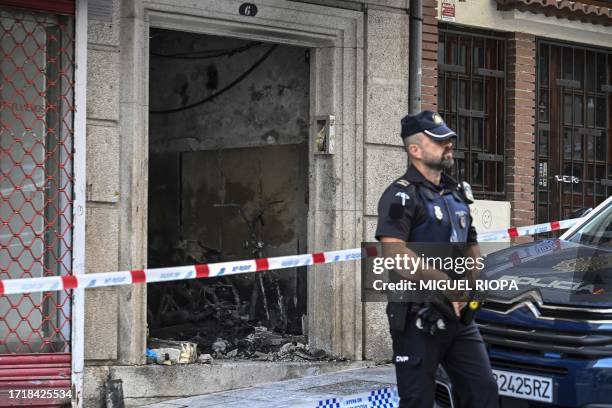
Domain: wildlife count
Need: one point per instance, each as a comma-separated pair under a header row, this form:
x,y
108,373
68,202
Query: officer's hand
x,y
430,320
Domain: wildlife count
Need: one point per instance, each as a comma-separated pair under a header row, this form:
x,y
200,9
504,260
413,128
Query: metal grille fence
x,y
36,175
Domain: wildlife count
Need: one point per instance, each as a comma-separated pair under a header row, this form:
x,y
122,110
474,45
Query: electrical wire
x,y
208,54
222,90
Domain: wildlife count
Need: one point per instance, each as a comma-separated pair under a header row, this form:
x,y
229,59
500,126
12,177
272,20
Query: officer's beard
x,y
443,162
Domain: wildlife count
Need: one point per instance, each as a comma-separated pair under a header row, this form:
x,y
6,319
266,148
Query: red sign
x,y
448,11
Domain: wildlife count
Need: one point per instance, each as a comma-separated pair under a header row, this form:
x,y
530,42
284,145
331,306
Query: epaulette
x,y
403,182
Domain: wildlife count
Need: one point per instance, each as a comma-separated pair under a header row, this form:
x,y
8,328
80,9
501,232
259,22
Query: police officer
x,y
427,205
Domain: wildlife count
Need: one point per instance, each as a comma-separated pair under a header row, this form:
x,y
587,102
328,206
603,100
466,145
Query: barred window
x,y
471,99
574,136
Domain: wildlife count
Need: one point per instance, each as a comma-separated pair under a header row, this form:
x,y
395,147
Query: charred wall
x,y
246,144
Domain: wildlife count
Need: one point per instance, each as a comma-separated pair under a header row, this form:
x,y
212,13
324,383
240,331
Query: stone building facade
x,y
358,74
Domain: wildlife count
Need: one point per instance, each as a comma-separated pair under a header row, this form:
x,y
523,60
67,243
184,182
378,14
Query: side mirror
x,y
581,212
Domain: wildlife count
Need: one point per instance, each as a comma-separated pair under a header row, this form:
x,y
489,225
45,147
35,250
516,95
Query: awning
x,y
587,11
52,6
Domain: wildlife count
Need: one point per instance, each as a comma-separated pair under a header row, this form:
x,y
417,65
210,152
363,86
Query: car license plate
x,y
524,386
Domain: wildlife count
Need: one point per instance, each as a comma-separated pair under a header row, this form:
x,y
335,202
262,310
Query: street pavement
x,y
364,387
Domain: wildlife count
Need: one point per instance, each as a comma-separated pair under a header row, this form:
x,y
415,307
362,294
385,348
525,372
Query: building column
x,y
520,128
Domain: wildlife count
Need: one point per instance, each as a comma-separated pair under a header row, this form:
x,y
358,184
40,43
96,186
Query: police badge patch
x,y
462,218
437,119
438,213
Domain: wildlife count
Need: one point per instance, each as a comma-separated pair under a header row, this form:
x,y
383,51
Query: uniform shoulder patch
x,y
467,191
403,196
403,182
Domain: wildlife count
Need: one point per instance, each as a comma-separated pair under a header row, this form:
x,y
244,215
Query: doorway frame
x,y
335,184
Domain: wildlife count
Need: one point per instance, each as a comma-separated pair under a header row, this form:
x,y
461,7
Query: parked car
x,y
550,342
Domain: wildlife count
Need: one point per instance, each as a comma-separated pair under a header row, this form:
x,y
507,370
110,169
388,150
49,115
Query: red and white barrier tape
x,y
528,230
98,280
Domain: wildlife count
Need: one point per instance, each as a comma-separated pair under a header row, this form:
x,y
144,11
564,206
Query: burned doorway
x,y
574,136
228,180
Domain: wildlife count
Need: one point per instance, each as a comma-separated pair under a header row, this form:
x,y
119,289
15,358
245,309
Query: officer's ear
x,y
414,150
413,145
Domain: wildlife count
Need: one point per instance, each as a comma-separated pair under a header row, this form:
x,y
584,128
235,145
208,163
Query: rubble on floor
x,y
169,352
259,345
224,317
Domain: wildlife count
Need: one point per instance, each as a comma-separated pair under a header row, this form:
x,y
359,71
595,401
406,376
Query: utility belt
x,y
398,312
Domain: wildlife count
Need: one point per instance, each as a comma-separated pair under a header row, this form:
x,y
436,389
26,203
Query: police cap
x,y
428,122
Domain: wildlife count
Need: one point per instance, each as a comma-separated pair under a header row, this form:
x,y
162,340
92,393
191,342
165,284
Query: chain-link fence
x,y
36,175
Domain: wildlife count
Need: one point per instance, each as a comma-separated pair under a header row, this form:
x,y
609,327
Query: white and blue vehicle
x,y
550,342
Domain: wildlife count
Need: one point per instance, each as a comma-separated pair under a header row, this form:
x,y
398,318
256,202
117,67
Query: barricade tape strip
x,y
138,276
528,230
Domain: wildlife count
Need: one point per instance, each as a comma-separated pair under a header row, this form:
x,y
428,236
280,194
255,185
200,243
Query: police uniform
x,y
413,209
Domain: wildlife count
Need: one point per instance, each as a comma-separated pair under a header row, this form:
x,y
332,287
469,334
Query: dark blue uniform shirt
x,y
415,210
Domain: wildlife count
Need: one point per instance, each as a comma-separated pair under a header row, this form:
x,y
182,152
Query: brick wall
x,y
429,85
520,131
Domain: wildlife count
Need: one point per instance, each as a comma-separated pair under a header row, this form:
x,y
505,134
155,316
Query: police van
x,y
550,342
